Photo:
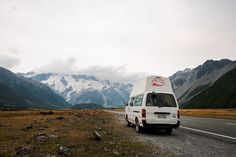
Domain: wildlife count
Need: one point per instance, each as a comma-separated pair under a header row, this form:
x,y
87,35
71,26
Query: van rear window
x,y
161,100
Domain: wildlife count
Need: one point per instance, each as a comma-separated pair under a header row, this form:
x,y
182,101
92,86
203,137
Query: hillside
x,y
222,94
10,97
190,82
19,92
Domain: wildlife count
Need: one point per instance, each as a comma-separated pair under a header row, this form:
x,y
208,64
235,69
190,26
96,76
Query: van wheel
x,y
138,128
168,131
128,124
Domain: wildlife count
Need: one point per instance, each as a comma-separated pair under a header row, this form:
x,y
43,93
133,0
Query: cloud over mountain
x,y
8,61
67,66
114,73
119,74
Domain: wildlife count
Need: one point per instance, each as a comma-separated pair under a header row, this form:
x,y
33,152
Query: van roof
x,y
153,84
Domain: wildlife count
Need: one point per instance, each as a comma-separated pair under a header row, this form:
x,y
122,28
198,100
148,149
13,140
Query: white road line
x,y
231,123
207,132
197,130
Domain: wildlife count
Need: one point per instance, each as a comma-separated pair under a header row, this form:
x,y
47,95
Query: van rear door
x,y
161,108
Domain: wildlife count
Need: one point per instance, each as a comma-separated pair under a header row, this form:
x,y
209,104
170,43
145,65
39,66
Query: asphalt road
x,y
196,137
223,129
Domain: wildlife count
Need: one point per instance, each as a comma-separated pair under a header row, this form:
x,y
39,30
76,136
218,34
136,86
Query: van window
x,y
131,100
138,100
161,100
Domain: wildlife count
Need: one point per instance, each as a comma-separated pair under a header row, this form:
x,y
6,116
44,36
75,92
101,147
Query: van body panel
x,y
161,115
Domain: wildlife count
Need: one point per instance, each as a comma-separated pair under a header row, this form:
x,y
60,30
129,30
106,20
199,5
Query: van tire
x,y
128,124
138,128
168,131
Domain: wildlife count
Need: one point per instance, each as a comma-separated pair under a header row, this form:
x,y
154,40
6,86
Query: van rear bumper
x,y
160,126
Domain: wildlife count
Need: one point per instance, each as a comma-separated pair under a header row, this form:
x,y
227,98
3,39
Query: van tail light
x,y
143,113
178,114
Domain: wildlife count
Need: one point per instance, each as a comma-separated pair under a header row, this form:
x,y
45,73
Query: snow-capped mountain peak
x,y
78,89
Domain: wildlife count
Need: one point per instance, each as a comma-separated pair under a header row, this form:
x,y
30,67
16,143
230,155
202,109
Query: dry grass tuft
x,y
211,113
67,128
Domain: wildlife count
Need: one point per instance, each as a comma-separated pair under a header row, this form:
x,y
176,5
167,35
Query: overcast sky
x,y
115,37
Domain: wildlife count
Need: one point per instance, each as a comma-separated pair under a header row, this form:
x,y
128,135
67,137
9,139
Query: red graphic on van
x,y
157,81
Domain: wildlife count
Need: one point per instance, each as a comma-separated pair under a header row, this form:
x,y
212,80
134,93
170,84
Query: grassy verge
x,y
66,133
119,110
210,113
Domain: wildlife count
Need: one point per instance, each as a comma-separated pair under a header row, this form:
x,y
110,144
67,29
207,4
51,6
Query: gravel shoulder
x,y
184,143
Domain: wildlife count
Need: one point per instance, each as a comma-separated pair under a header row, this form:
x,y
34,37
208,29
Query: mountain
x,y
80,89
190,82
17,91
222,94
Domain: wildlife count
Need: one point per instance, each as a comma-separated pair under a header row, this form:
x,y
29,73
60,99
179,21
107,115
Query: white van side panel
x,y
139,87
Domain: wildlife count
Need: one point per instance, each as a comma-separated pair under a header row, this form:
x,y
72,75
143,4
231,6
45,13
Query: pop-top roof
x,y
152,84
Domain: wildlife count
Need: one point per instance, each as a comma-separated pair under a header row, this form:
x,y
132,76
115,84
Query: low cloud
x,y
8,61
111,73
13,51
59,66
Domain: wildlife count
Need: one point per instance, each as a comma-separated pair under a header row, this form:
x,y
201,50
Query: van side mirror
x,y
126,104
131,104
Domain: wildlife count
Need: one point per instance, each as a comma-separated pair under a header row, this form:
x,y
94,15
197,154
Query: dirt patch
x,y
67,133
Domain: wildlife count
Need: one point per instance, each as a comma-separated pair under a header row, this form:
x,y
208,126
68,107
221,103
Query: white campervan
x,y
152,104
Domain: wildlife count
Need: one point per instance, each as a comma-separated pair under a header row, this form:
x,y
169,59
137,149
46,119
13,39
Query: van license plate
x,y
162,116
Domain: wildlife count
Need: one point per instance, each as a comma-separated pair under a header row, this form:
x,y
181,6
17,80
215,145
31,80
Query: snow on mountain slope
x,y
189,82
78,89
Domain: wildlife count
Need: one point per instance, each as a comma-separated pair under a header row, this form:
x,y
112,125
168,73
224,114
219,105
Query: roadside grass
x,y
210,113
72,129
119,110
